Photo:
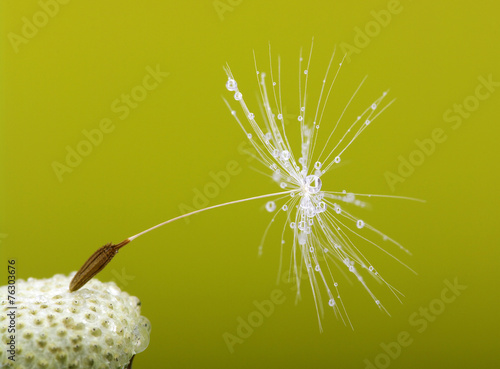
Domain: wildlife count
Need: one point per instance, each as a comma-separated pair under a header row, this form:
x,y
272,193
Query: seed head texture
x,y
98,326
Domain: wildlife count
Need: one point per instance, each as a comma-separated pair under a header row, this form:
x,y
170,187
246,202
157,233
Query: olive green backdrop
x,y
64,70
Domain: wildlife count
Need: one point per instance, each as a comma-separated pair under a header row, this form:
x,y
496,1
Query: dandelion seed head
x,y
88,326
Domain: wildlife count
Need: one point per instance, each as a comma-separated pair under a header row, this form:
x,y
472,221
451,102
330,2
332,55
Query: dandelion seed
x,y
316,220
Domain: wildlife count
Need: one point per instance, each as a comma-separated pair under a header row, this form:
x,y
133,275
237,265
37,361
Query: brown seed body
x,y
94,264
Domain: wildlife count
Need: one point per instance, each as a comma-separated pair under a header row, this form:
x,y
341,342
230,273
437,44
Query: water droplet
x,y
299,118
251,116
238,96
249,135
285,155
337,159
283,185
292,225
317,268
270,206
331,302
360,224
317,165
374,106
280,116
231,85
284,207
312,184
367,122
305,71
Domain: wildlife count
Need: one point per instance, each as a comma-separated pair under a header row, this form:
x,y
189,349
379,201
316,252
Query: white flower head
x,y
324,230
98,326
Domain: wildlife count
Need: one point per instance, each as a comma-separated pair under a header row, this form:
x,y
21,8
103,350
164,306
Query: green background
x,y
196,279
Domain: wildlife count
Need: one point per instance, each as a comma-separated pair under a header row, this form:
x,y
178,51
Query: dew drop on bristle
x,y
284,207
360,224
285,155
251,116
238,96
331,302
313,184
337,159
270,206
231,85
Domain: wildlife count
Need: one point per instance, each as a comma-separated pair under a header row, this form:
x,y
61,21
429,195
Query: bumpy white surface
x,y
98,326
